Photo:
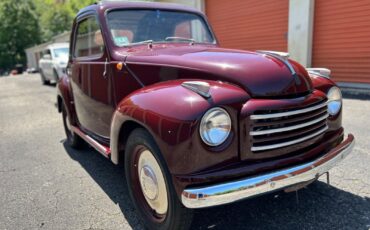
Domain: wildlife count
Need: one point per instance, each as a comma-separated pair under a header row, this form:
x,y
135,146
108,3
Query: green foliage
x,y
25,23
56,16
19,29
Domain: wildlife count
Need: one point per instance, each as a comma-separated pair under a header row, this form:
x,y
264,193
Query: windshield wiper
x,y
142,42
192,41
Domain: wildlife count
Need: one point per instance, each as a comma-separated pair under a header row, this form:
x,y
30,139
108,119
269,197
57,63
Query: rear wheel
x,y
72,139
150,185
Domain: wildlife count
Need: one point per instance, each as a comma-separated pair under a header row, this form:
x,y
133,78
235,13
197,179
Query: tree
x,y
19,29
56,16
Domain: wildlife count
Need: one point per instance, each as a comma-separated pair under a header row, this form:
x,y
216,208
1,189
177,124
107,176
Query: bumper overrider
x,y
229,192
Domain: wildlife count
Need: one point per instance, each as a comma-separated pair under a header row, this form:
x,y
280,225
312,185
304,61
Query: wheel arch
x,y
120,136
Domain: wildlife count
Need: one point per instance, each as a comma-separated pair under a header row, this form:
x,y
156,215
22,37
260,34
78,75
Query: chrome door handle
x,y
105,68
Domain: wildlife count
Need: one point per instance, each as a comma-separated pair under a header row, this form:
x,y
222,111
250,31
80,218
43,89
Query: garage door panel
x,y
341,39
250,24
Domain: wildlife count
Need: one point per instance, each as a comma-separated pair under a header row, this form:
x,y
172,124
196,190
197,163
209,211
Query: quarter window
x,y
89,40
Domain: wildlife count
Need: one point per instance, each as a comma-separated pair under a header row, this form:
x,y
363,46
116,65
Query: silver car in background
x,y
53,62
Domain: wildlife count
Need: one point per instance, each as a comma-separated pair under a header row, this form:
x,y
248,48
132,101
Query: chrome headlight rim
x,y
334,103
203,121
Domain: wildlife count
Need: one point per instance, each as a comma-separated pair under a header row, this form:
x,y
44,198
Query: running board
x,y
104,150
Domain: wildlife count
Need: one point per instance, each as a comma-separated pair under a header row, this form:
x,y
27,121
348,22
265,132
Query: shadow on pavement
x,y
109,177
320,206
356,94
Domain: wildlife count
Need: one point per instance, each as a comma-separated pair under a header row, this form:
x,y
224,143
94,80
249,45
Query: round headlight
x,y
334,100
215,126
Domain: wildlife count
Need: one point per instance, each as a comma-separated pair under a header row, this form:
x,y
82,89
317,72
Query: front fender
x,y
171,114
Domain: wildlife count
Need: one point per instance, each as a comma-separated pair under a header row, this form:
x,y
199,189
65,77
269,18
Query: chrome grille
x,y
277,129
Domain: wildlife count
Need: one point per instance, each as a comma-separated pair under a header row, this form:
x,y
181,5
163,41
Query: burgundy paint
x,y
241,82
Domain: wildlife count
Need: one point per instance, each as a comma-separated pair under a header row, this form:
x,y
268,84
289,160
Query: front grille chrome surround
x,y
289,128
280,145
272,130
289,113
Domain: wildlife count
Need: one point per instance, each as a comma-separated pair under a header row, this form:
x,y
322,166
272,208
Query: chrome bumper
x,y
229,192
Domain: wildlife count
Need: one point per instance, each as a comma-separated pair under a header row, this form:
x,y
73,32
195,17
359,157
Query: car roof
x,y
103,6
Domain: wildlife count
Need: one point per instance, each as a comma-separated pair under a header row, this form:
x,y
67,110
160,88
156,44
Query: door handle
x,y
105,68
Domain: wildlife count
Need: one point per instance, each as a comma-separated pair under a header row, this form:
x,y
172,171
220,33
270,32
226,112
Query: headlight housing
x,y
334,100
215,126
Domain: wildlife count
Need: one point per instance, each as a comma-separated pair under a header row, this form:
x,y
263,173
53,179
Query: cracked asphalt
x,y
44,184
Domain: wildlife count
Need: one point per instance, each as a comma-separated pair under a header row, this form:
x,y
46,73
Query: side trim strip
x,y
105,151
288,128
294,112
275,146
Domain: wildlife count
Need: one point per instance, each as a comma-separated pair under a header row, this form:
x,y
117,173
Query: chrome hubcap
x,y
149,183
152,182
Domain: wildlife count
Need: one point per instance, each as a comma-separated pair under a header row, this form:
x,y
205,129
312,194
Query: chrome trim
x,y
288,128
275,146
322,72
290,113
283,57
200,87
105,151
229,192
202,123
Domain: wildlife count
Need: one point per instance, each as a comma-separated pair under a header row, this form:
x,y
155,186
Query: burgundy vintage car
x,y
195,125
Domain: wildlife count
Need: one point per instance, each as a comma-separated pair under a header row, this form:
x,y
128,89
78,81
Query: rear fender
x,y
64,97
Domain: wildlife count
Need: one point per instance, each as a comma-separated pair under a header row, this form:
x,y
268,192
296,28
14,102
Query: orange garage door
x,y
250,24
342,39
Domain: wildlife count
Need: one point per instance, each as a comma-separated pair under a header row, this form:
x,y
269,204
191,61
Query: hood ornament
x,y
275,53
322,72
282,56
200,87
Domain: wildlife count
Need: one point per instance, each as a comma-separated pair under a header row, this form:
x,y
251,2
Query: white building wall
x,y
301,13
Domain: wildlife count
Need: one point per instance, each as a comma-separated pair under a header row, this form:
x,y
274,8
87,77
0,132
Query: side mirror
x,y
46,56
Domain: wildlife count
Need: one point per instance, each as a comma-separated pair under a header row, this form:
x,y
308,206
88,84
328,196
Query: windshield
x,y
129,27
61,52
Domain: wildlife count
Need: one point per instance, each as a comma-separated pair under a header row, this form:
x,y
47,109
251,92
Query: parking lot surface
x,y
44,184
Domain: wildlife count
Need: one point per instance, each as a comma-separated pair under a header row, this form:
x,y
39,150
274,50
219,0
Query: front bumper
x,y
237,190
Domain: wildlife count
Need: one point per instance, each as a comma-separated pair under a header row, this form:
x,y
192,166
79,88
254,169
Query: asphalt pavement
x,y
44,184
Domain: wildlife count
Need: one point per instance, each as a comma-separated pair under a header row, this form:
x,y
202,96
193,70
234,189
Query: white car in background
x,y
53,62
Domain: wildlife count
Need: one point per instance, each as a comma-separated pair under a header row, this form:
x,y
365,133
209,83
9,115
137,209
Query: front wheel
x,y
150,185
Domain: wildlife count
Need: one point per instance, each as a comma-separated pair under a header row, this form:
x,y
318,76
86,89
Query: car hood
x,y
260,75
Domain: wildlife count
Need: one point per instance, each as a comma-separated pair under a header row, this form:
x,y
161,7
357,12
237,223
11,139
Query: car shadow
x,y
109,177
320,206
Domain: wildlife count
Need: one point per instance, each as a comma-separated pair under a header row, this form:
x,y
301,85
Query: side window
x,y
46,54
89,40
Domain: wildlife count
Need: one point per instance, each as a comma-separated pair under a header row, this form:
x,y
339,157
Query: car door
x,y
90,78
